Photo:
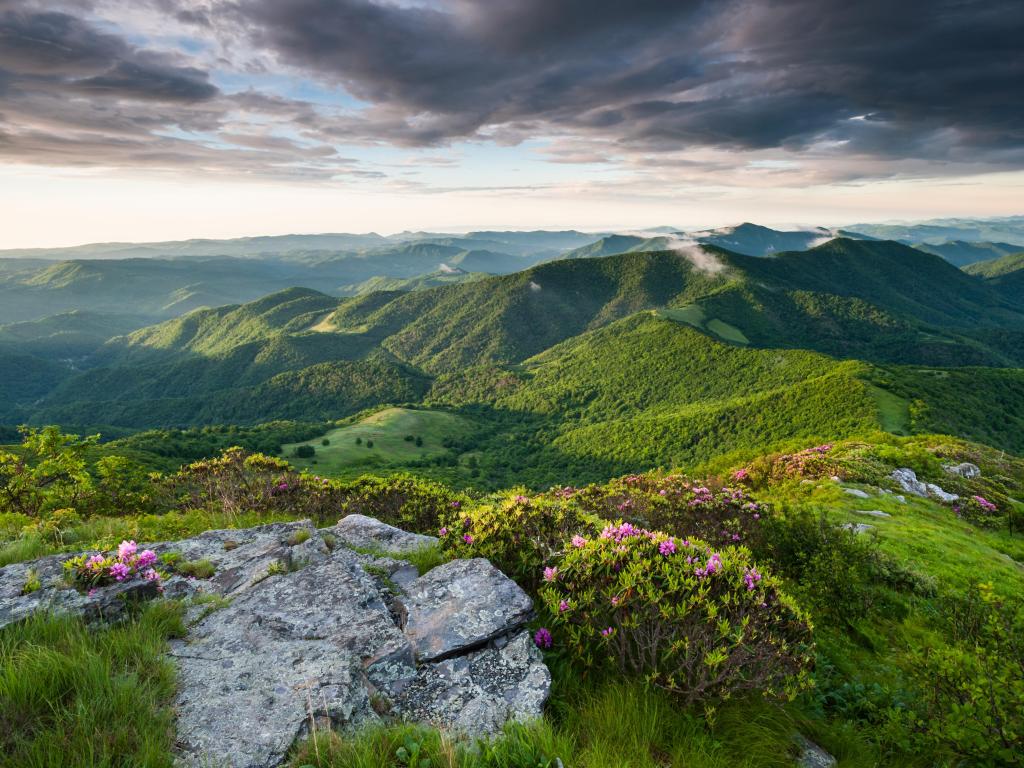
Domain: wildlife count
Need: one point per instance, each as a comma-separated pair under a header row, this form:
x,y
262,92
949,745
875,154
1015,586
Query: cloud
x,y
742,91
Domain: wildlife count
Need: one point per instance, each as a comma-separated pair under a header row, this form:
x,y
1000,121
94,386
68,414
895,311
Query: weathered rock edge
x,y
335,638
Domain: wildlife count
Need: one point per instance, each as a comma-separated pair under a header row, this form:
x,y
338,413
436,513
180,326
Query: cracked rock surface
x,y
306,635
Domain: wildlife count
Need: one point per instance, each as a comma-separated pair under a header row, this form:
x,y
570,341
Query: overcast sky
x,y
160,119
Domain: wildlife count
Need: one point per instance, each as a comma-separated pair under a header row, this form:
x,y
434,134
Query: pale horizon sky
x,y
148,120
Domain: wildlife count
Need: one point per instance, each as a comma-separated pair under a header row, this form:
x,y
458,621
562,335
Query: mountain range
x,y
589,365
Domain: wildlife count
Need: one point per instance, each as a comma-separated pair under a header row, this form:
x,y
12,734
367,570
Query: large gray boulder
x,y
461,605
289,633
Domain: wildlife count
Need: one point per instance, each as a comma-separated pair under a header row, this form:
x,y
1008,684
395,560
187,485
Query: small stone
x,y
858,527
872,512
857,492
813,756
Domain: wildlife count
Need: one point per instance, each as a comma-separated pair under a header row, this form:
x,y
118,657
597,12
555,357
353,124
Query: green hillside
x,y
962,254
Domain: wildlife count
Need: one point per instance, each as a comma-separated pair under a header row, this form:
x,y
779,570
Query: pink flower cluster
x,y
128,563
542,638
751,578
713,566
985,504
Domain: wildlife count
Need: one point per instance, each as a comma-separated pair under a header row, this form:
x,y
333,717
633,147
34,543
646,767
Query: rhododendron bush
x,y
699,621
519,534
673,504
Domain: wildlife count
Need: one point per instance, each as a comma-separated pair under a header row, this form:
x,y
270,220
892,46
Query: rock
x,y
813,756
907,480
478,693
965,470
369,533
857,492
937,492
322,641
900,498
872,512
858,527
55,594
461,605
295,647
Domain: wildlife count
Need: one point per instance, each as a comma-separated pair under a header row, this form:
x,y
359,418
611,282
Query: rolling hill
x,y
961,253
303,354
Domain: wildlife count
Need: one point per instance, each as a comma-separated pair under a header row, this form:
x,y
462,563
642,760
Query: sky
x,y
171,119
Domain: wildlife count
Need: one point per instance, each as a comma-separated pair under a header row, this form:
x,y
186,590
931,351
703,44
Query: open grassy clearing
x,y
694,315
387,431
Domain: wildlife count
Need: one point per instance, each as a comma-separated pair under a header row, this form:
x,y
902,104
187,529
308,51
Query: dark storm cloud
x,y
758,74
929,81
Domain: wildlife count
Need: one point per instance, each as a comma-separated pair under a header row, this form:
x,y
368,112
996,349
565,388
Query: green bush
x,y
700,623
404,501
976,686
518,534
833,566
305,452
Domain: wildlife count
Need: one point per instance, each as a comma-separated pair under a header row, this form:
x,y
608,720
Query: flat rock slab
x,y
369,533
461,605
857,492
966,470
872,513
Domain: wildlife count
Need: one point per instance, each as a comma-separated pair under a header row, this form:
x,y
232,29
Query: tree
x,y
305,452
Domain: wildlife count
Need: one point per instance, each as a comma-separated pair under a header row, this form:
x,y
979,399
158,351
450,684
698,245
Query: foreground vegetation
x,y
897,646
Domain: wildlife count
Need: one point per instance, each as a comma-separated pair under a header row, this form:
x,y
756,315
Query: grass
x,y
693,314
72,695
610,724
921,533
387,429
424,558
893,411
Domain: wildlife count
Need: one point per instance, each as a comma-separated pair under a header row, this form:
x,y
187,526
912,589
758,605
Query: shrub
x,y
237,482
128,564
833,566
404,501
518,534
703,624
673,504
325,442
359,441
813,463
305,452
976,687
369,443
49,473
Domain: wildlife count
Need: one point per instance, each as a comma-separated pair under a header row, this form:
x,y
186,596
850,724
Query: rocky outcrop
x,y
907,480
965,470
291,633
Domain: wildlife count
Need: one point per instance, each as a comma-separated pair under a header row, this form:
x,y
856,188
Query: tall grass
x,y
73,695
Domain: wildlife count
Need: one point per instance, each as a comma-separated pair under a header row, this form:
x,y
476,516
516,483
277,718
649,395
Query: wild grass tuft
x,y
73,695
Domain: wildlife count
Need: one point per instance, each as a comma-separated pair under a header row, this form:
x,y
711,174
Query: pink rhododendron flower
x,y
578,541
563,606
151,575
95,562
607,632
119,571
145,559
126,549
550,574
443,532
667,547
468,538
